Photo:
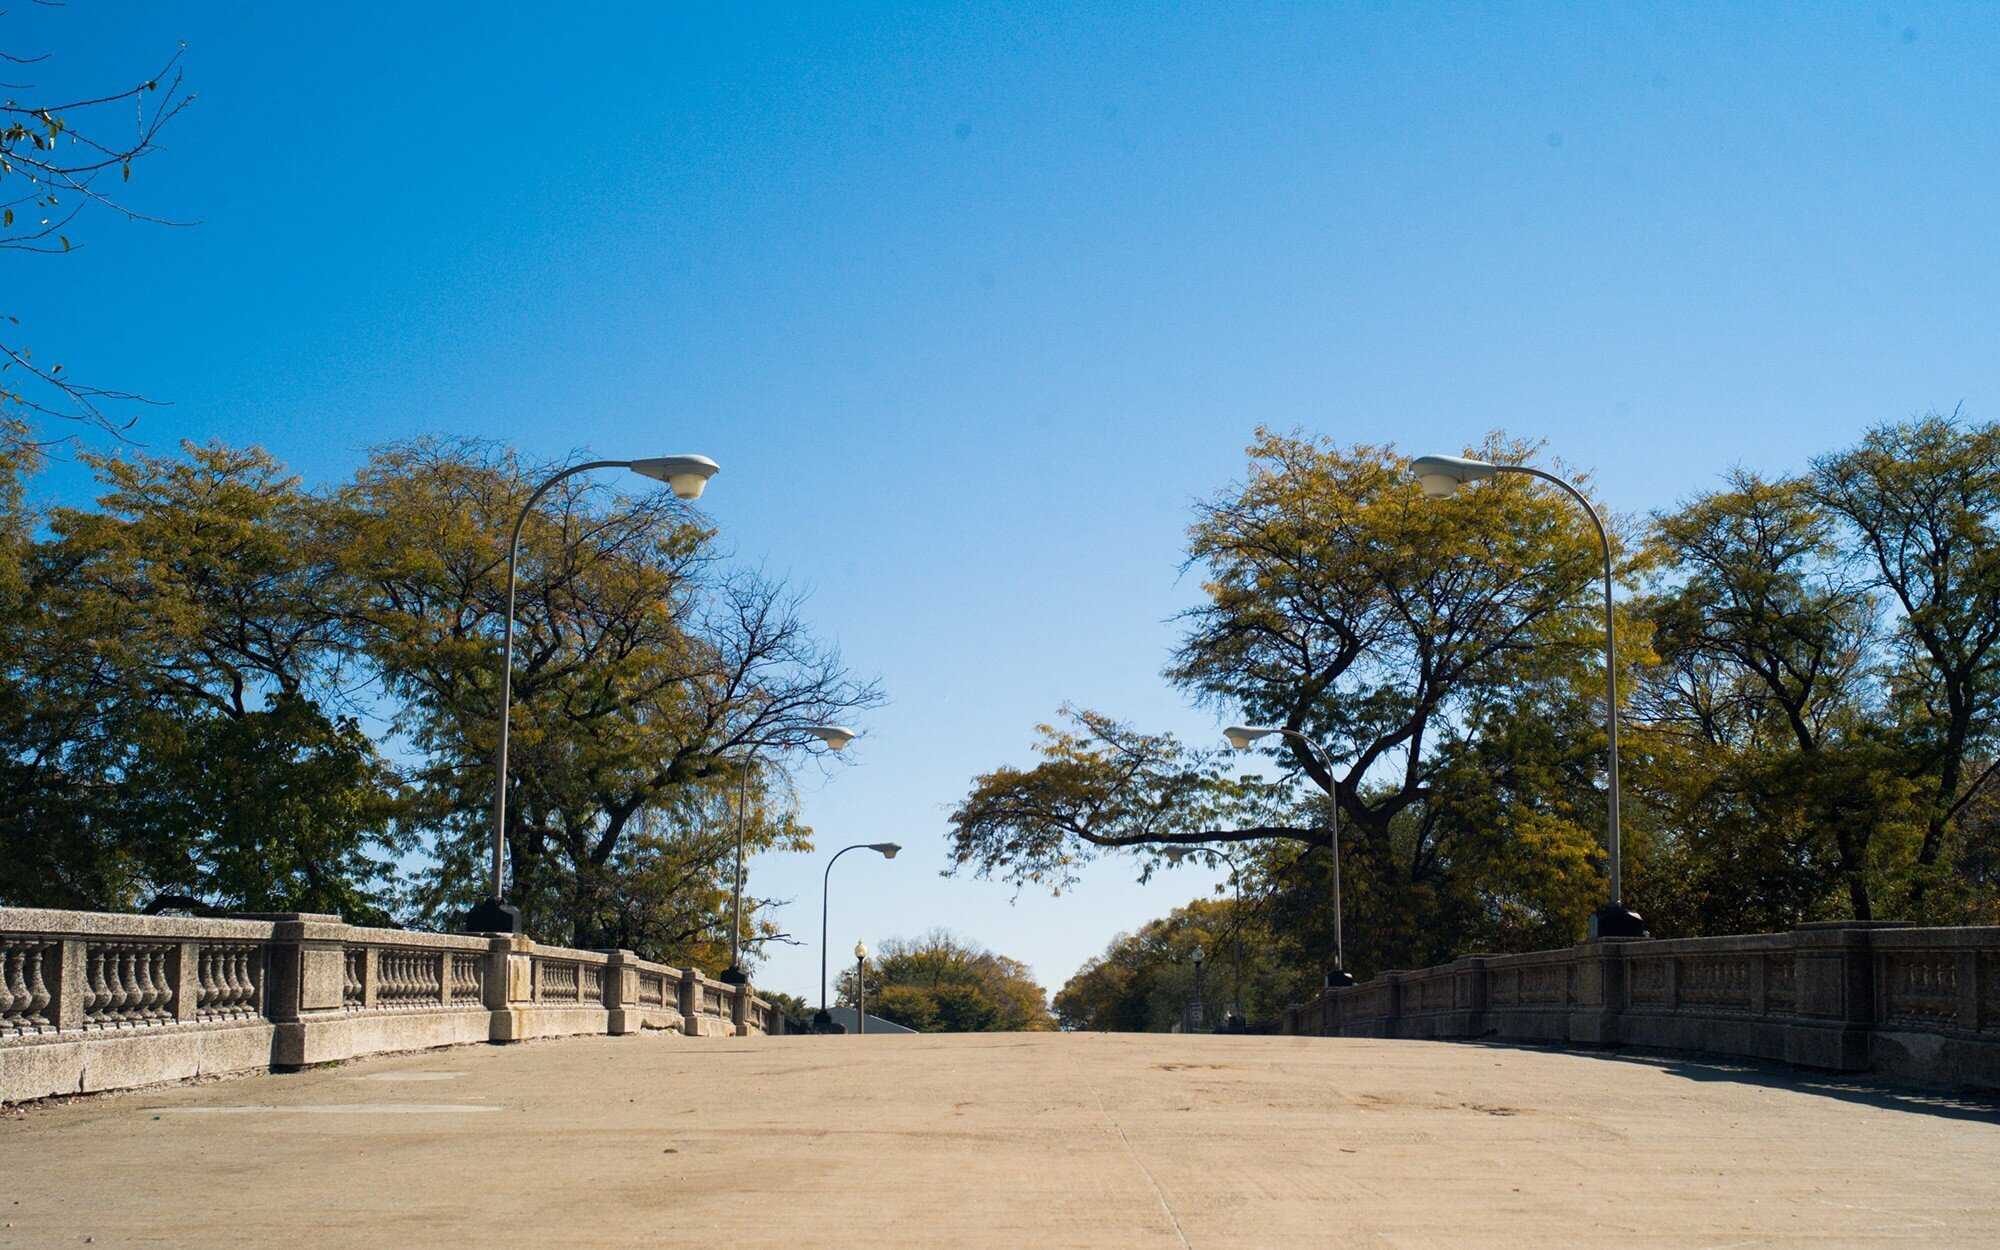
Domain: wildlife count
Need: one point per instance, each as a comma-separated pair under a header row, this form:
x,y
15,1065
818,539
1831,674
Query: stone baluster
x,y
38,990
13,983
118,985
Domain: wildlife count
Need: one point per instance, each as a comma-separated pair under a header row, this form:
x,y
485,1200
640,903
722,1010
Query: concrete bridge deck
x,y
1011,1140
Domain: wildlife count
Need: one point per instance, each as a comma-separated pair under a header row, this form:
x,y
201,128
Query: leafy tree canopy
x,y
940,983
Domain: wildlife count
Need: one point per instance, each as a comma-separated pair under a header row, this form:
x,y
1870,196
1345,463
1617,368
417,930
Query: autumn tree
x,y
1921,502
177,719
645,675
1341,603
1760,738
1144,979
195,665
940,983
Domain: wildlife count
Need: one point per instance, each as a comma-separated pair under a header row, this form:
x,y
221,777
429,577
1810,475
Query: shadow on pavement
x,y
1854,1089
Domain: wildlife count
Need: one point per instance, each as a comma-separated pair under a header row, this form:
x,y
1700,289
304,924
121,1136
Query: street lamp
x,y
1440,476
1194,1012
860,989
887,850
1176,854
686,475
836,737
1241,737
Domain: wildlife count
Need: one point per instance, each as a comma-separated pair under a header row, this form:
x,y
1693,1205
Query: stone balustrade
x,y
92,1001
1909,1003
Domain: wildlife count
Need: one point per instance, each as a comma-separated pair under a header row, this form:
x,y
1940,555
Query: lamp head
x,y
686,474
1199,954
1440,476
860,952
888,849
1241,736
835,736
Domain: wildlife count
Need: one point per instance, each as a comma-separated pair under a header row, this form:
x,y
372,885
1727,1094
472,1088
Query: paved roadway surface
x,y
1008,1140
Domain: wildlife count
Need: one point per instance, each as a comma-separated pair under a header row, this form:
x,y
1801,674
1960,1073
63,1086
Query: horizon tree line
x,y
1812,661
224,689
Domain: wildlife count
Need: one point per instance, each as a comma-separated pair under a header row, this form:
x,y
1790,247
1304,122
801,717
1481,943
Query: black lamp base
x,y
823,1022
493,916
734,975
1339,979
1615,920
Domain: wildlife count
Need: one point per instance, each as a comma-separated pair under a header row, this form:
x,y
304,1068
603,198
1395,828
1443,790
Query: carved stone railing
x,y
29,967
90,1001
229,980
1915,1004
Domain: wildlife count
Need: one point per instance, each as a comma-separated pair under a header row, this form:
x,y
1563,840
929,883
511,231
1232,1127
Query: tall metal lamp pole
x,y
1240,737
836,738
860,988
823,1019
1441,476
686,475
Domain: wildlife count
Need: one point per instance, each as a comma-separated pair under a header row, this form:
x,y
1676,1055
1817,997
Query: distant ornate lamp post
x,y
1194,1008
836,738
823,1019
1441,476
1240,737
686,475
1177,854
860,988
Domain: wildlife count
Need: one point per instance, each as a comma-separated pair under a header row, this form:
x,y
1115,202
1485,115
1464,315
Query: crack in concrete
x,y
1133,1153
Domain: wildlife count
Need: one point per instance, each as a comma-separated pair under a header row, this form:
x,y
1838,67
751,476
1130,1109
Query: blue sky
x,y
971,304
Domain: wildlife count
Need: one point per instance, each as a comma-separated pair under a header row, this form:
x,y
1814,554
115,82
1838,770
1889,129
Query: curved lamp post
x,y
887,850
686,475
1240,737
836,738
1441,476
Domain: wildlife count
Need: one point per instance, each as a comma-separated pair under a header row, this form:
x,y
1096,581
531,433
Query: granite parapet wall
x,y
1917,1004
93,1001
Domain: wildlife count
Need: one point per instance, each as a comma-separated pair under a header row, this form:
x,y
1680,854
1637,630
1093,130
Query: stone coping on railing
x,y
1918,1004
96,1001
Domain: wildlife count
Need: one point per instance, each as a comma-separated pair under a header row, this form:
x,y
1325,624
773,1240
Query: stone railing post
x,y
1597,988
70,987
691,1001
510,985
1469,998
1969,1008
1833,968
186,975
621,993
1392,1004
307,972
496,974
739,1009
